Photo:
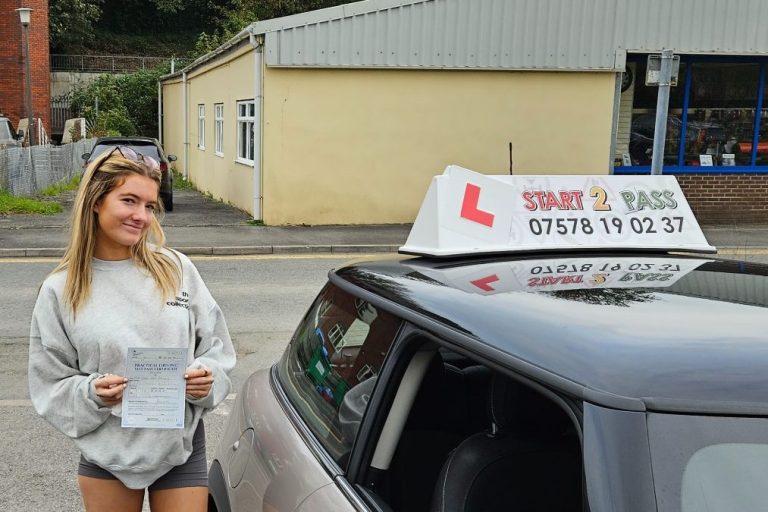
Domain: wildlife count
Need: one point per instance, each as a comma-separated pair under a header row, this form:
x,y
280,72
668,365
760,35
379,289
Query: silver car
x,y
621,382
8,137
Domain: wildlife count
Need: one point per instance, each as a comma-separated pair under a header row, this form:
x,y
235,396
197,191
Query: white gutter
x,y
186,124
258,99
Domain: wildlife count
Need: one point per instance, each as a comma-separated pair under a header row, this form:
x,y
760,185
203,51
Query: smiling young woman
x,y
124,216
114,290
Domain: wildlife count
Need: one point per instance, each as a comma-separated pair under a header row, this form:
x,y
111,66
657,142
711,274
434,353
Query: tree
x,y
127,104
139,93
71,23
232,17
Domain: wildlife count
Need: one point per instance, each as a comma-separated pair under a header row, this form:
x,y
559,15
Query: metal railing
x,y
26,171
110,63
60,112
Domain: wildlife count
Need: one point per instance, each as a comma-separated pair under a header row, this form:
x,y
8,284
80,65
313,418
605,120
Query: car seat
x,y
529,459
448,407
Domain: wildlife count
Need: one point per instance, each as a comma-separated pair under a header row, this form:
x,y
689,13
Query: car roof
x,y
695,343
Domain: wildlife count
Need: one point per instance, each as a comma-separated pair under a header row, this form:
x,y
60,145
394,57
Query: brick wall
x,y
12,77
727,198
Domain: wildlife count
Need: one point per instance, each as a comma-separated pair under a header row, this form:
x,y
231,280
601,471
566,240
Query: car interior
x,y
460,436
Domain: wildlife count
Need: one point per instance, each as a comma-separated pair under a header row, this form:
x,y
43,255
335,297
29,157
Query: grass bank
x,y
10,204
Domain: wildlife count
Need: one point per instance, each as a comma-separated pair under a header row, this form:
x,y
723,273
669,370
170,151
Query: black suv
x,y
145,146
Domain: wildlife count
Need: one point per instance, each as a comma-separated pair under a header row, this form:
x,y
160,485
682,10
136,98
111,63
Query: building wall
x,y
221,176
173,122
228,82
360,146
726,198
64,82
12,71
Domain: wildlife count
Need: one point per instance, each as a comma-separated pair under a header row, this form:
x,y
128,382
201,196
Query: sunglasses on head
x,y
130,154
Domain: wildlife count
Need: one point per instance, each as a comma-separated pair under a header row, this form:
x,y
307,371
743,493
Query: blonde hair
x,y
105,173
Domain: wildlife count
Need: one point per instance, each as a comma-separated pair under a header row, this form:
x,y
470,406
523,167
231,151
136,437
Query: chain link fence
x,y
26,171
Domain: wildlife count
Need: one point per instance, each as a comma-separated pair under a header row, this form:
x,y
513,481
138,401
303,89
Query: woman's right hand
x,y
109,388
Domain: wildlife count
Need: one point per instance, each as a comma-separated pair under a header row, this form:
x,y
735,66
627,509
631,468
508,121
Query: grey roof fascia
x,y
258,28
329,14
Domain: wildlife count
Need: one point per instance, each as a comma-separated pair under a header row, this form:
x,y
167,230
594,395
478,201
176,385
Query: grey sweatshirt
x,y
125,309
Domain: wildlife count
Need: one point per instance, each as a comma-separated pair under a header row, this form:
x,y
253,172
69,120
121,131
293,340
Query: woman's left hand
x,y
199,381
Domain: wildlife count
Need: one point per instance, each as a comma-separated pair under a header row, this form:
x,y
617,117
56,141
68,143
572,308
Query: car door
x,y
323,383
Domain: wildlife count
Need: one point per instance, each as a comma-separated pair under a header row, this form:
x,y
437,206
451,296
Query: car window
x,y
330,368
5,130
147,149
712,463
144,149
473,435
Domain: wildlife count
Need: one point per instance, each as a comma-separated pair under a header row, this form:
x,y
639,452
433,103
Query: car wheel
x,y
168,201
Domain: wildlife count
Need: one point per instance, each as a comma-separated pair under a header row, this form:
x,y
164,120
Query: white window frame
x,y
201,126
218,129
246,118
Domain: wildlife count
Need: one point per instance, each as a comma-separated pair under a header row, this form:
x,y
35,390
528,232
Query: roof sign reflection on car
x,y
465,212
562,274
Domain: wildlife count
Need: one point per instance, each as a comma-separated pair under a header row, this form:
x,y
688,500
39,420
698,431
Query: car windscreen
x,y
145,149
712,463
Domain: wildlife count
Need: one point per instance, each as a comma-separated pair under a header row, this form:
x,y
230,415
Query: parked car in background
x,y
8,137
145,146
618,379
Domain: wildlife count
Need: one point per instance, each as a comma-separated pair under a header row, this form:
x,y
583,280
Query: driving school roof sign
x,y
465,212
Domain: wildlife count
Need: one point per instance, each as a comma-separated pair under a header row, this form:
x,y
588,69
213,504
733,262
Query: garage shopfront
x,y
717,132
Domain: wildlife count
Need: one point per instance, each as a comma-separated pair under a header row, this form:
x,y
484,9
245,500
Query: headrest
x,y
353,407
518,409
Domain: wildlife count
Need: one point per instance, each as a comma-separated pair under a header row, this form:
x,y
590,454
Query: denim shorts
x,y
193,473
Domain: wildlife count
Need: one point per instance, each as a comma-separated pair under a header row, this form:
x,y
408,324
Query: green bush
x,y
127,103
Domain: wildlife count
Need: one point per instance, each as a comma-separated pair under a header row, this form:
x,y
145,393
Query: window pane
x,y
721,113
330,366
241,109
642,127
762,141
708,463
242,137
251,109
250,141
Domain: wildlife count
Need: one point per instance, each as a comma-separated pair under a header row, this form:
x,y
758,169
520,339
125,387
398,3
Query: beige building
x,y
343,115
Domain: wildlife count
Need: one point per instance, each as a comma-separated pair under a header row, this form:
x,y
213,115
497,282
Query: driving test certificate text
x,y
154,397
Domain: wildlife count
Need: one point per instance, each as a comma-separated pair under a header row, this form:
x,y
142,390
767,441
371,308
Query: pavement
x,y
201,226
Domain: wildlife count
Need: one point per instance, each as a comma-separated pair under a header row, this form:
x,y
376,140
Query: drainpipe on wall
x,y
258,97
186,124
160,112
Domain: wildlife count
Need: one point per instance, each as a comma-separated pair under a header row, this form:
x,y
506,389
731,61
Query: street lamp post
x,y
25,14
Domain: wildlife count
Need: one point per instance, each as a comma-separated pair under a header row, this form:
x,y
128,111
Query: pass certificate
x,y
154,397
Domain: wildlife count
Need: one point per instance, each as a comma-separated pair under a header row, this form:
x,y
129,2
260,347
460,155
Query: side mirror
x,y
171,158
85,156
20,135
